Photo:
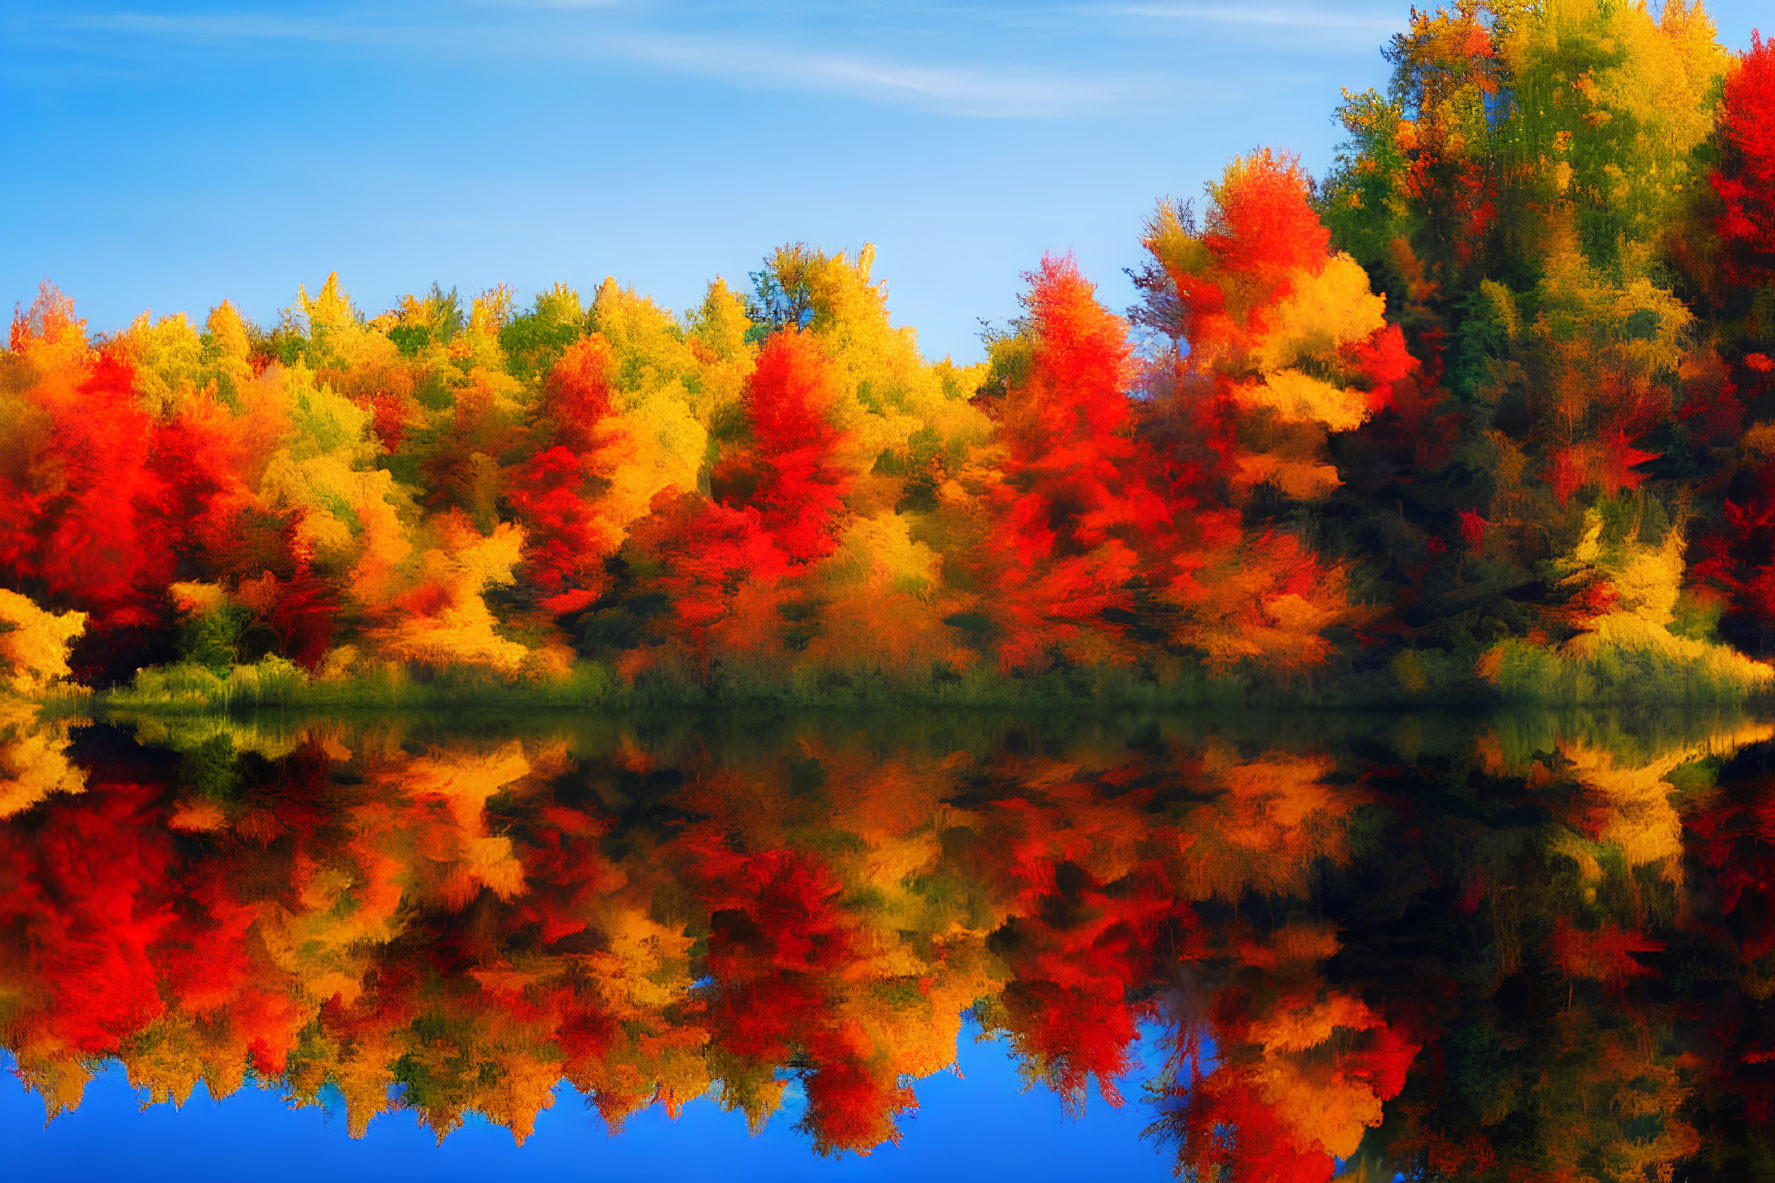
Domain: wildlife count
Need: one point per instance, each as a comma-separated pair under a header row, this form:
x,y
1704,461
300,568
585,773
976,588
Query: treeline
x,y
1490,409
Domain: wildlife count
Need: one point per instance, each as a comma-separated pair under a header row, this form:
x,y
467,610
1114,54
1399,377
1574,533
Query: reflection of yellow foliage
x,y
167,1060
1298,1029
33,758
362,1077
1276,817
198,816
648,963
1302,944
264,735
1318,1104
60,1080
1301,1074
464,782
1638,817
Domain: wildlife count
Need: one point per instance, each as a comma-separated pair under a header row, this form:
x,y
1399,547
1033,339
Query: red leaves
x,y
90,895
1229,1132
1604,955
563,552
1732,555
1565,475
779,952
1077,496
197,461
1607,464
387,393
1077,392
576,394
302,616
95,549
1473,529
1263,226
851,1108
50,321
1464,188
554,494
1744,180
798,483
1587,603
705,552
1262,235
98,501
1387,365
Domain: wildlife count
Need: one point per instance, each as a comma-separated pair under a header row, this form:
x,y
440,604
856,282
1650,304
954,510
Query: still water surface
x,y
966,946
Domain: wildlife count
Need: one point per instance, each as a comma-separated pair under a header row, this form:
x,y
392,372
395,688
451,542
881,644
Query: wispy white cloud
x,y
1327,26
957,91
965,91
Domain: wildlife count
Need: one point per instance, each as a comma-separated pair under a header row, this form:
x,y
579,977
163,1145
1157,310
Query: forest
x,y
1485,412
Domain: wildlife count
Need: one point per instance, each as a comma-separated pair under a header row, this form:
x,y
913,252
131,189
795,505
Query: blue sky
x,y
164,156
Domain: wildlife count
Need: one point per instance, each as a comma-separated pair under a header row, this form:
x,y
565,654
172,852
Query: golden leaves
x,y
448,621
34,644
1322,312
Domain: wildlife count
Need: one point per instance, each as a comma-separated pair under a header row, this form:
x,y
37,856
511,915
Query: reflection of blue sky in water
x,y
981,1125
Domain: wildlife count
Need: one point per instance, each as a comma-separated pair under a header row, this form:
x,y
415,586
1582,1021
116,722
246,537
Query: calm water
x,y
909,947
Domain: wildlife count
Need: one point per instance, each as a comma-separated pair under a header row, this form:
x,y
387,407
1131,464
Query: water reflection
x,y
1525,948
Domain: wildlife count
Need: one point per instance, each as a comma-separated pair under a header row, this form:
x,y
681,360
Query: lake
x,y
964,945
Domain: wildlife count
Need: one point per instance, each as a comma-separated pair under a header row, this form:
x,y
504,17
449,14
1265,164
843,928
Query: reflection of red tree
x,y
780,947
1229,1132
87,894
1302,1073
1733,841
